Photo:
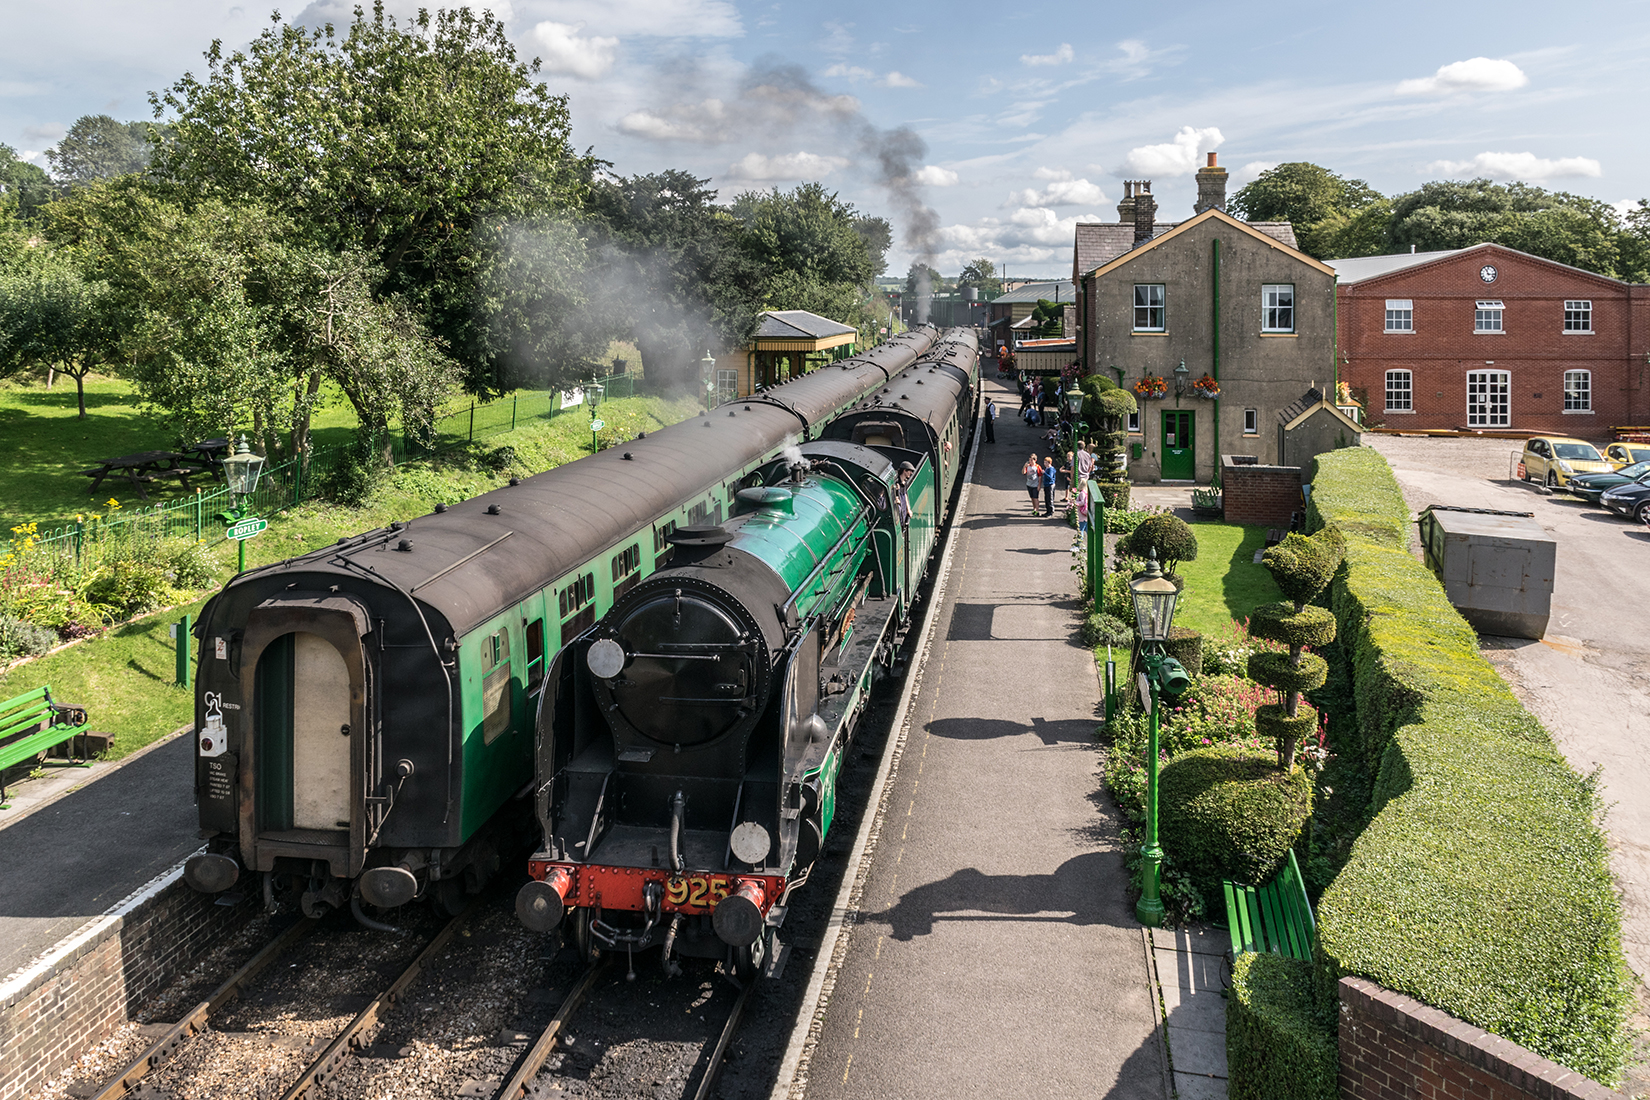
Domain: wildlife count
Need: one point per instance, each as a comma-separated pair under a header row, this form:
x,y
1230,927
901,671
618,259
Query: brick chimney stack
x,y
1211,187
1145,211
1125,209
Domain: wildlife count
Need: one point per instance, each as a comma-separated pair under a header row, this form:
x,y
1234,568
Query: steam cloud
x,y
774,101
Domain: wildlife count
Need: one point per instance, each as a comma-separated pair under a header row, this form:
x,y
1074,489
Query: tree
x,y
1303,567
1634,241
1168,536
25,184
415,145
1570,229
1304,195
673,270
810,251
52,316
981,274
1050,318
922,280
1105,406
878,236
99,148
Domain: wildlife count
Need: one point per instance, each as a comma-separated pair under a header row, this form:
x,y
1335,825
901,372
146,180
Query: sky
x,y
978,129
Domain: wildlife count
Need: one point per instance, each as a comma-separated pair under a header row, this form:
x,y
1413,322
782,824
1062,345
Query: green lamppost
x,y
241,470
707,375
1154,599
593,395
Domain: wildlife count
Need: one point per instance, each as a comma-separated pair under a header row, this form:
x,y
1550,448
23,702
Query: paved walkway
x,y
68,861
996,951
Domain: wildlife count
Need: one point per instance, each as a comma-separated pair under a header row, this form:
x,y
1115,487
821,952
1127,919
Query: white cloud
x,y
838,42
932,175
660,18
36,157
855,74
565,52
850,72
46,133
1030,233
1061,191
1477,74
1061,56
1518,166
1174,158
770,107
1251,172
897,79
1625,208
785,166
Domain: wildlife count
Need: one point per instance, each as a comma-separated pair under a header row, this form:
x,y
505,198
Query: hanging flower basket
x,y
1151,386
1206,386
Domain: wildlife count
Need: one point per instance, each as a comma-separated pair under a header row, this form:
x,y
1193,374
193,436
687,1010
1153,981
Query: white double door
x,y
1489,399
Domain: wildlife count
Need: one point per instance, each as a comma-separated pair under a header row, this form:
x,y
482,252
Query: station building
x,y
1235,301
1490,339
788,342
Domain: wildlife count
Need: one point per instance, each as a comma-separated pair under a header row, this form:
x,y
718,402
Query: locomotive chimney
x,y
1145,212
1211,187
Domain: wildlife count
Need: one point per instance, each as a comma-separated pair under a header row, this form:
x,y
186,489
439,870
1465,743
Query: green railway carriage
x,y
688,746
365,711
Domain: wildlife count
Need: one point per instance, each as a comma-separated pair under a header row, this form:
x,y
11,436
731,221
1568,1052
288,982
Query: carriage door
x,y
1489,398
303,717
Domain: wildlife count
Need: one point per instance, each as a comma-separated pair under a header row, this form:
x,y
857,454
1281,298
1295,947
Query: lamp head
x,y
1181,374
241,469
1154,598
1074,401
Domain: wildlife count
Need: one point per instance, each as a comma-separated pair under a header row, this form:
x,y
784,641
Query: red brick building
x,y
1488,338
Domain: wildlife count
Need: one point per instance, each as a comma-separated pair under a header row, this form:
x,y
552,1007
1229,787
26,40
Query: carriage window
x,y
496,696
570,599
662,549
535,654
496,648
697,514
626,562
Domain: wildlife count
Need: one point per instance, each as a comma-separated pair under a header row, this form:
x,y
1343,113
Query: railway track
x,y
518,1086
318,1070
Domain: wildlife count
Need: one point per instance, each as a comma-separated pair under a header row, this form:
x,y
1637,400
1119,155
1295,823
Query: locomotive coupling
x,y
211,872
539,904
738,917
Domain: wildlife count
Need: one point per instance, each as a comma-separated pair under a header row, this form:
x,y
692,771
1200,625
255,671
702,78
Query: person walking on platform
x,y
1049,474
1085,462
990,421
1083,510
1033,472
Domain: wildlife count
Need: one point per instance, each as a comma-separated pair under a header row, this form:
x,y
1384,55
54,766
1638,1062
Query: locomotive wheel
x,y
449,897
578,934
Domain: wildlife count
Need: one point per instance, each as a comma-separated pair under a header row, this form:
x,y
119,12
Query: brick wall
x,y
95,980
1533,346
1259,496
1393,1047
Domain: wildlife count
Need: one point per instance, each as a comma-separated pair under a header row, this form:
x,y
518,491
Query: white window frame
x,y
1578,316
1487,318
1404,391
1578,391
1160,307
1134,423
727,385
1251,421
1484,413
1276,315
1400,315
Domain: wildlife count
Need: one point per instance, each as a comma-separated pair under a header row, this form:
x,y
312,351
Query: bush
x,y
1123,521
1303,565
131,586
1168,535
190,566
1116,496
24,639
1186,646
1278,1045
1216,709
1481,885
1280,622
354,475
1228,812
1100,629
1273,669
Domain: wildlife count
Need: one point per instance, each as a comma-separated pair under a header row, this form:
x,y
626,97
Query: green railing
x,y
286,484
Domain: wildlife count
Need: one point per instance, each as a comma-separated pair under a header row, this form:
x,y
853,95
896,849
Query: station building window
x,y
1134,423
1578,315
1251,422
1487,317
1148,307
1400,315
1277,307
1578,391
727,385
1400,391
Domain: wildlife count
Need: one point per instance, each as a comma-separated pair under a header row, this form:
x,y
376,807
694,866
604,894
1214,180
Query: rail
x,y
516,1085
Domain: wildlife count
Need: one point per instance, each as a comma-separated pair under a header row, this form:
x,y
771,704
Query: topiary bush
x,y
1279,1046
1228,812
1186,646
1168,535
1100,629
1116,497
1481,885
1301,566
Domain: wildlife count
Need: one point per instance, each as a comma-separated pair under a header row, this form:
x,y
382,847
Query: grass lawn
x,y
1224,583
44,445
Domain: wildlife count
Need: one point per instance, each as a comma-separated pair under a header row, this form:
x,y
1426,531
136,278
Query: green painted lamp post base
x,y
1149,909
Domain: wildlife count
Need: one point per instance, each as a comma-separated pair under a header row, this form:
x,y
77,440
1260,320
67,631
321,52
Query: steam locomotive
x,y
365,712
688,745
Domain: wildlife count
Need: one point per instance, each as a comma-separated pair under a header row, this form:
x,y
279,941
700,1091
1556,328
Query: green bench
x,y
32,724
1275,917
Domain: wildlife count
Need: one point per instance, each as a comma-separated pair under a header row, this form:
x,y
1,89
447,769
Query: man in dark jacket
x,y
990,421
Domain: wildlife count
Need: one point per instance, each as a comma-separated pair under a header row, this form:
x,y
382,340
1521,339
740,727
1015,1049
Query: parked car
x,y
1631,500
1590,487
1556,459
1621,455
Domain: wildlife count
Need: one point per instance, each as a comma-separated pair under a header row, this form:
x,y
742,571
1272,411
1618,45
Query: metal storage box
x,y
1496,567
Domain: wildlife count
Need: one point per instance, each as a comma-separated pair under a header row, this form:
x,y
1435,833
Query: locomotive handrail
x,y
824,560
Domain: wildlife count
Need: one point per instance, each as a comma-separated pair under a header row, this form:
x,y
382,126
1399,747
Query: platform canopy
x,y
799,330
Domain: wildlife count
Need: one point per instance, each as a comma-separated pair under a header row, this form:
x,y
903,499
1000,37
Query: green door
x,y
1178,463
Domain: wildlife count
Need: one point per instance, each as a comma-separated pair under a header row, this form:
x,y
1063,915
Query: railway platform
x,y
992,945
68,861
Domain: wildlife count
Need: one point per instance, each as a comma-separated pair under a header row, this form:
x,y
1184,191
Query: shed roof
x,y
799,324
1357,268
1056,290
1296,412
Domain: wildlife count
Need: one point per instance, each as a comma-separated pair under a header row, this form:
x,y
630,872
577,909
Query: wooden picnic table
x,y
145,468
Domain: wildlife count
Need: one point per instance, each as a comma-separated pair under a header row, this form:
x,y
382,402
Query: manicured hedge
x,y
1279,1046
1229,812
1481,885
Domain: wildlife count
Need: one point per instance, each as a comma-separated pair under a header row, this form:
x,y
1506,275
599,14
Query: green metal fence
x,y
287,483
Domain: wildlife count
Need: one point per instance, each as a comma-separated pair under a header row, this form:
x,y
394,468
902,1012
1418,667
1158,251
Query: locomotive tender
x,y
364,713
688,746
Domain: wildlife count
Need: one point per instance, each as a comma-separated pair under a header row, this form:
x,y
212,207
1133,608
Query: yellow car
x,y
1625,454
1555,459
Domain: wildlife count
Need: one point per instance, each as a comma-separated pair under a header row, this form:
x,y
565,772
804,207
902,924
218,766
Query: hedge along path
x,y
1481,886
